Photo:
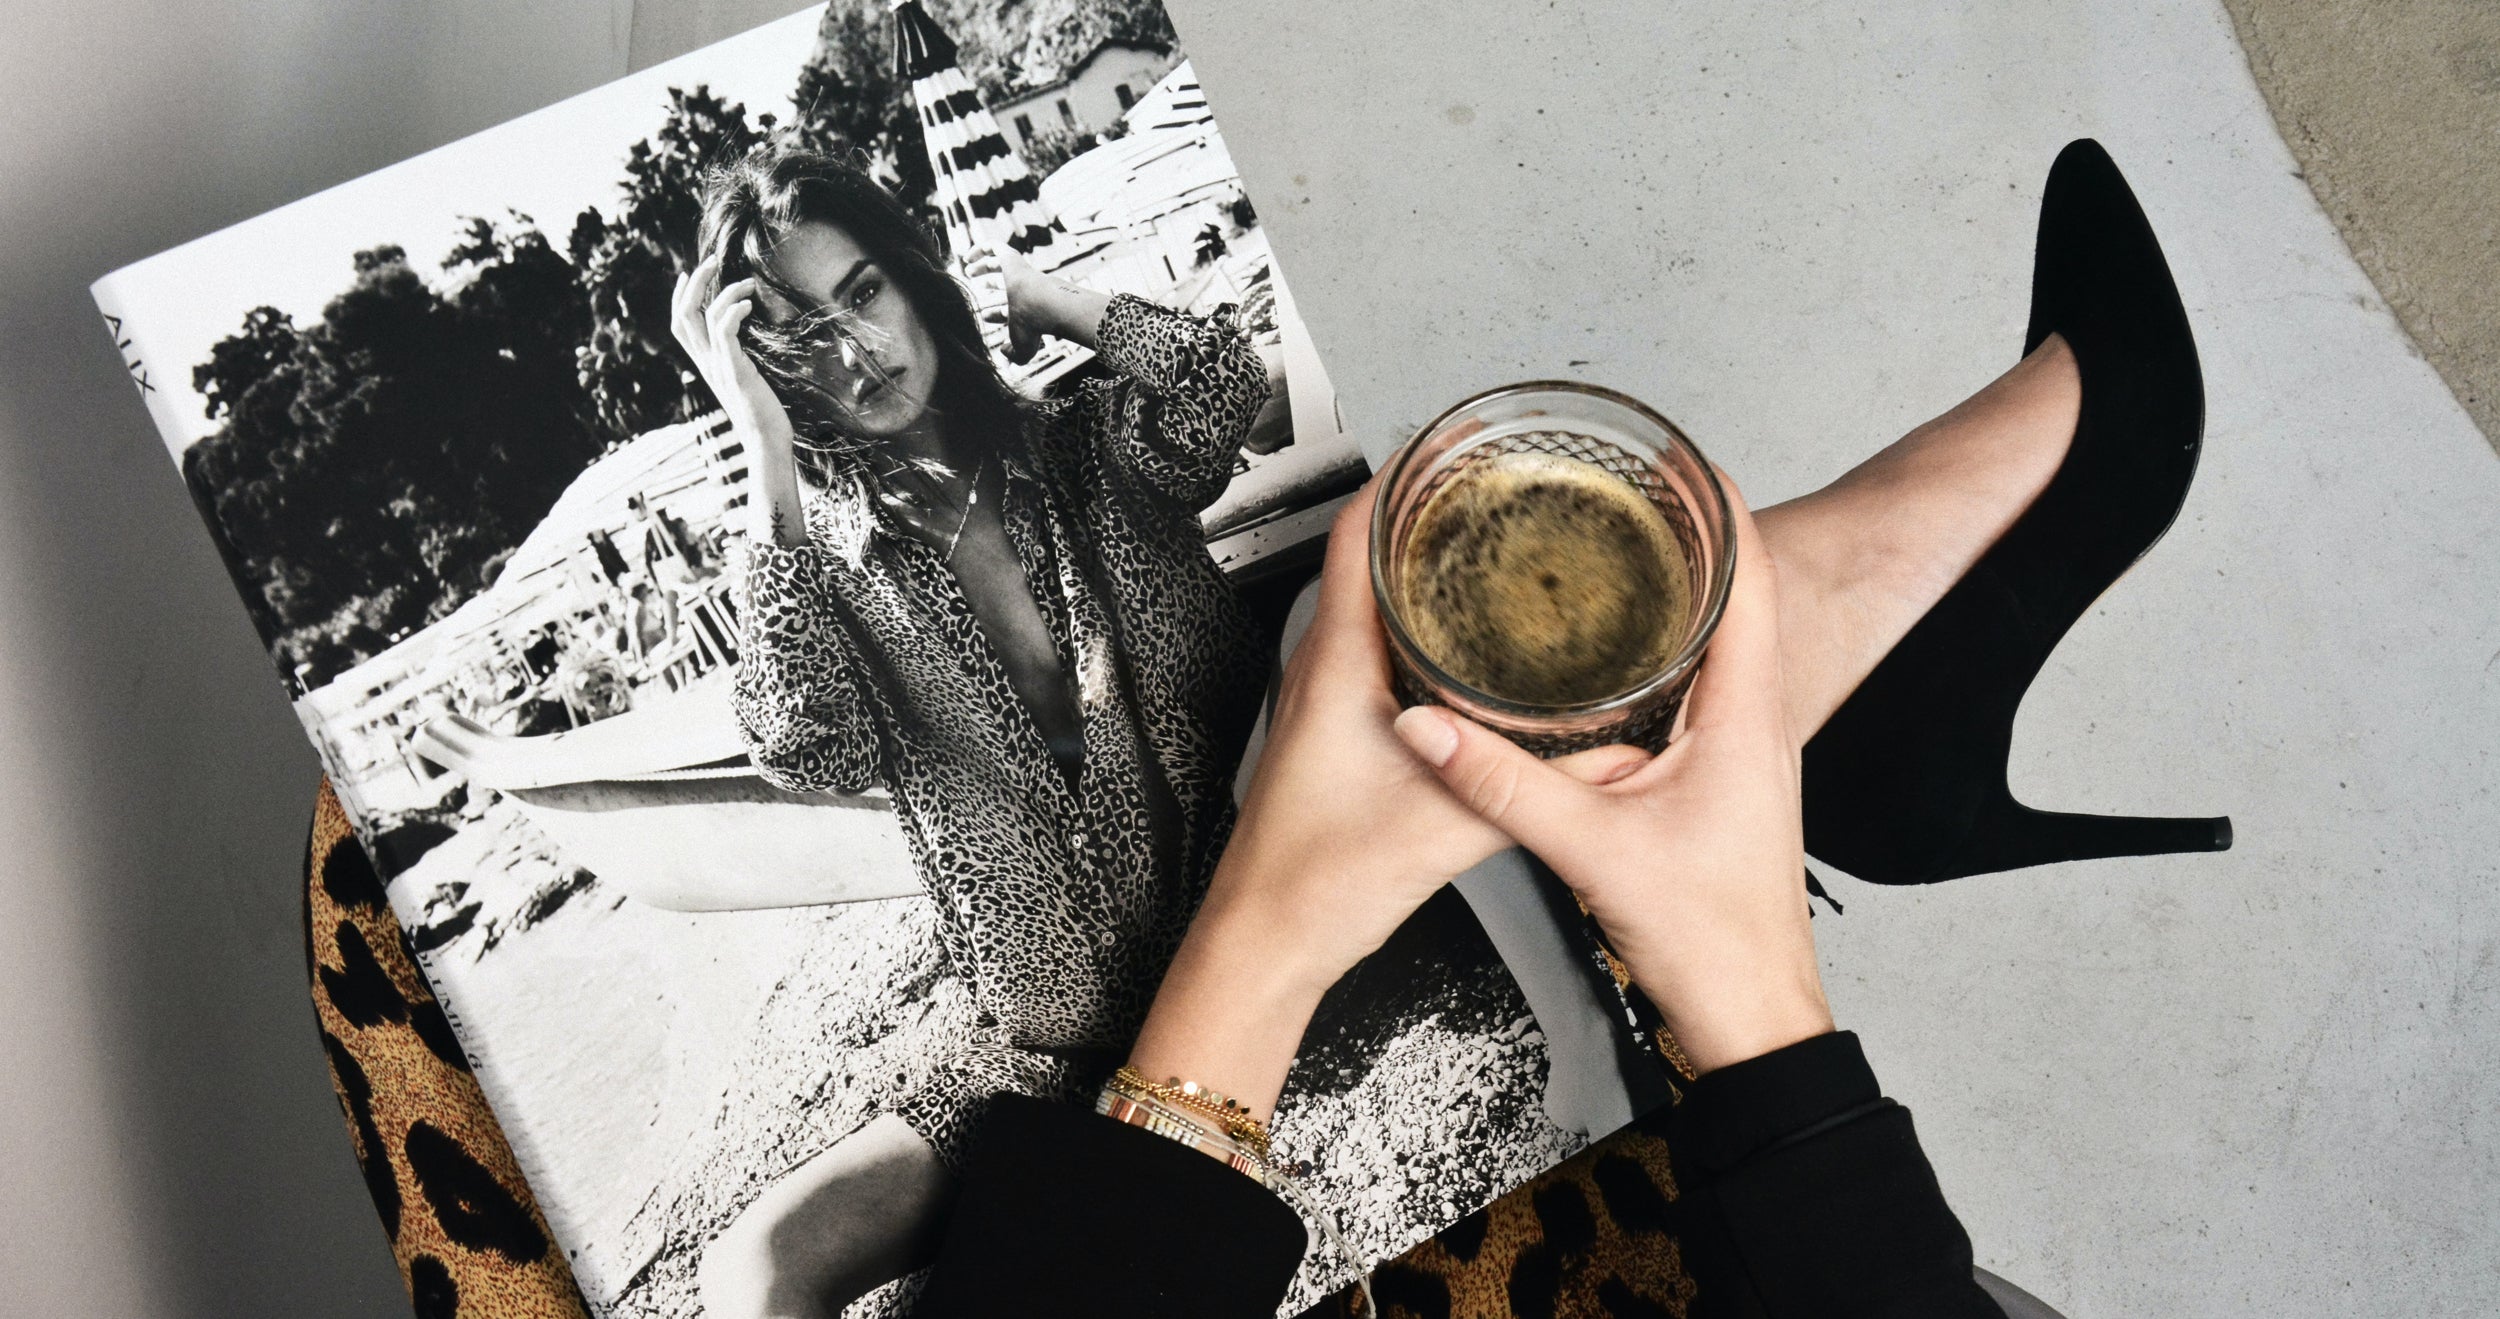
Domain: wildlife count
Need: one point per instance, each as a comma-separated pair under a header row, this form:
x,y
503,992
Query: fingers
x,y
743,290
991,259
1599,766
726,323
682,320
1345,579
1346,623
1546,810
1740,684
710,322
694,287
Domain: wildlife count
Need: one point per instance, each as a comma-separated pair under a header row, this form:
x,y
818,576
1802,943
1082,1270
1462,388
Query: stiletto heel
x,y
1906,782
2009,835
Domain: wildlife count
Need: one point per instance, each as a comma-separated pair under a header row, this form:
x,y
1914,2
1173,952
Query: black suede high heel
x,y
1906,783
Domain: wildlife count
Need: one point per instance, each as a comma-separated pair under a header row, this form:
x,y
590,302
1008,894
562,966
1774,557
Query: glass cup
x,y
1614,433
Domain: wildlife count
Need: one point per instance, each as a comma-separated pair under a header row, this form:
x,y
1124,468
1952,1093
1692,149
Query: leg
x,y
1861,559
859,1215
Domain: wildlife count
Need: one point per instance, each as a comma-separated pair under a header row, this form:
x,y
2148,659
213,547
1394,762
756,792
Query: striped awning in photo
x,y
983,188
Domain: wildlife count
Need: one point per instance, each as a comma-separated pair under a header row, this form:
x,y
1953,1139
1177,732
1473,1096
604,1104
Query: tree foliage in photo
x,y
628,264
375,468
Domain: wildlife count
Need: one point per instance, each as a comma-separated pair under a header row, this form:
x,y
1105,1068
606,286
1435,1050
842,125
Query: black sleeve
x,y
1066,1213
1807,1196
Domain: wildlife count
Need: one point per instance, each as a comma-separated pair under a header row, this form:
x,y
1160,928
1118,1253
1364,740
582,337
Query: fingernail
x,y
1624,771
1428,733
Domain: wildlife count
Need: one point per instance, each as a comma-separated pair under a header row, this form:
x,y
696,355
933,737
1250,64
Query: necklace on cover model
x,y
920,503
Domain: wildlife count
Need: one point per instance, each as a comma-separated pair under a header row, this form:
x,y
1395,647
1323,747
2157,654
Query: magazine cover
x,y
781,557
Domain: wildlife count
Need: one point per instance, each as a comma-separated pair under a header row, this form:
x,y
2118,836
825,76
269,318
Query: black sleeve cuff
x,y
1808,1195
1063,1212
1739,1110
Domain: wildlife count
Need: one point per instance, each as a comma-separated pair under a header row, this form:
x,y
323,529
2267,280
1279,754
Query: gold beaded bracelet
x,y
1173,1112
1232,1119
1165,1122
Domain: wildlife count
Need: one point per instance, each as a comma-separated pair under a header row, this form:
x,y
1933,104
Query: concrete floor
x,y
2393,109
2258,1083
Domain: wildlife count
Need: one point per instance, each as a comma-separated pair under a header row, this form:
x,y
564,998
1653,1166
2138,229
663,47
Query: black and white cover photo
x,y
781,557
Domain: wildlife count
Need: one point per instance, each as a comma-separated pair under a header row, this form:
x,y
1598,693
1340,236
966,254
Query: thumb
x,y
1539,806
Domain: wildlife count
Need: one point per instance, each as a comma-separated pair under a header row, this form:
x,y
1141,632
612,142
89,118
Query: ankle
x,y
1865,557
2045,396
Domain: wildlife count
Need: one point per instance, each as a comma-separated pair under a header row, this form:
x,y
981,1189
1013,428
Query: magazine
x,y
699,835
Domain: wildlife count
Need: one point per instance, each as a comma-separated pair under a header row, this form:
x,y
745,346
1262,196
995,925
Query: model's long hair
x,y
751,205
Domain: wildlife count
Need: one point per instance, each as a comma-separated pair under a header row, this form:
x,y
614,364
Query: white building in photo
x,y
1136,208
1091,95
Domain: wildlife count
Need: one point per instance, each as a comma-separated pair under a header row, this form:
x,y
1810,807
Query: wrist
x,y
1738,1020
1298,915
1036,297
1730,986
769,431
1231,1010
1057,307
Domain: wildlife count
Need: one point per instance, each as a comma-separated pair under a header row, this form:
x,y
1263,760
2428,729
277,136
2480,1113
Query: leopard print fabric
x,y
469,1239
1591,1238
864,666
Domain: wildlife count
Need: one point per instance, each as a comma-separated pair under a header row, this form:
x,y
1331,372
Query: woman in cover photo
x,y
1002,613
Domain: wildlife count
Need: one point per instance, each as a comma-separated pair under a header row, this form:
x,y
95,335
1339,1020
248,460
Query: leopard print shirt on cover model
x,y
1059,902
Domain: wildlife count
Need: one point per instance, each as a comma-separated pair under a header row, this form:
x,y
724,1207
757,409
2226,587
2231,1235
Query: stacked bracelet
x,y
1163,1121
1180,1110
1232,1119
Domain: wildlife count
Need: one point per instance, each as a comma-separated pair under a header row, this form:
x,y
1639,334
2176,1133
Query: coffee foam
x,y
1544,580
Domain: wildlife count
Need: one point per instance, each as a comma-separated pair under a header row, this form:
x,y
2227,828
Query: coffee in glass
x,y
1550,559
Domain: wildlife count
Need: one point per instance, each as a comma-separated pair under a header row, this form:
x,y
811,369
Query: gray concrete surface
x,y
2261,1083
2393,109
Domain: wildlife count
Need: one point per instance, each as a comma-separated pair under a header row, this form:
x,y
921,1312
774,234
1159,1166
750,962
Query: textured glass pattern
x,y
1639,448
